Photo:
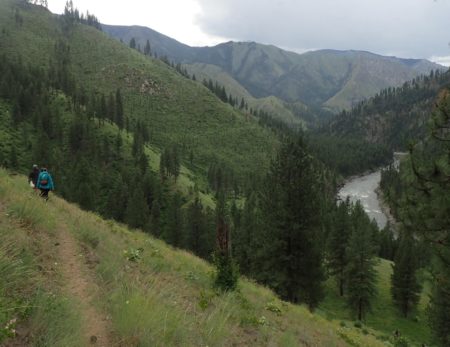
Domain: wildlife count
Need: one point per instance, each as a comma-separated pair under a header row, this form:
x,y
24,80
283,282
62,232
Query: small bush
x,y
271,306
205,300
134,254
227,274
358,325
263,320
401,342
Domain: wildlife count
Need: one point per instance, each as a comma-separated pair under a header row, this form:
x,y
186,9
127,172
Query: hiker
x,y
45,183
33,177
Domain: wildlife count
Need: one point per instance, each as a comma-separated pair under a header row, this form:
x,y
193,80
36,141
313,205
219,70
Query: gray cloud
x,y
406,28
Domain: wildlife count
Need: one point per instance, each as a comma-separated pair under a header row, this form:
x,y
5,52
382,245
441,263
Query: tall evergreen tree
x,y
227,274
388,244
197,233
137,213
360,271
133,43
117,198
173,233
245,235
111,108
292,256
439,308
119,117
405,288
147,49
428,210
337,244
155,218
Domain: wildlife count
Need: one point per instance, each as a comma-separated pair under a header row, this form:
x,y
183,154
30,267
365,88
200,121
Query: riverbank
x,y
386,210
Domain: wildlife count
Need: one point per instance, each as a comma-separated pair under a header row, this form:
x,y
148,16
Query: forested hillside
x,y
395,116
134,140
174,108
71,279
418,194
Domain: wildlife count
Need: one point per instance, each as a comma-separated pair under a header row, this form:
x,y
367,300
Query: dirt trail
x,y
80,284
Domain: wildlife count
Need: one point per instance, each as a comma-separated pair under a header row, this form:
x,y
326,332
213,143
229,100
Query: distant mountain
x,y
331,79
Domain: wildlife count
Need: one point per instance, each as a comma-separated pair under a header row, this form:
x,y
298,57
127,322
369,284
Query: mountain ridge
x,y
314,78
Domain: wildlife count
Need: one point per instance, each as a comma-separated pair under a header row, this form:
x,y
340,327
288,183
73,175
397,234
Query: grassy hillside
x,y
271,105
143,293
384,316
176,109
332,79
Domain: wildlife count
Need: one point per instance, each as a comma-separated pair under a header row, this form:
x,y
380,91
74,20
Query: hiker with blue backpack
x,y
45,183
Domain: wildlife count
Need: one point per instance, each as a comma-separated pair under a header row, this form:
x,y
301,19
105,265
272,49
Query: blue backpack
x,y
44,179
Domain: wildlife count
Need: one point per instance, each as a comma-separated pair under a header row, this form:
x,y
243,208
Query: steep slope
x,y
177,110
395,116
333,79
160,44
271,104
145,293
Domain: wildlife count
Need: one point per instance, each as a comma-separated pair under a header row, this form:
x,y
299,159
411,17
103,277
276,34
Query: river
x,y
363,188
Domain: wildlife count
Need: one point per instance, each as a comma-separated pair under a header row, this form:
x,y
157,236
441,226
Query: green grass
x,y
164,296
161,297
30,295
384,317
176,109
272,105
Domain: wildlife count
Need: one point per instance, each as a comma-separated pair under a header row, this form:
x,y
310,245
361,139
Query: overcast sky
x,y
404,28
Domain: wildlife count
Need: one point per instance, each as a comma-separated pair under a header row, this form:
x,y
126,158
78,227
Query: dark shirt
x,y
33,176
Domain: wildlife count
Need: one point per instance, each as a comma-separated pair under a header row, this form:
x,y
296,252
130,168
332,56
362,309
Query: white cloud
x,y
405,28
441,60
409,28
174,18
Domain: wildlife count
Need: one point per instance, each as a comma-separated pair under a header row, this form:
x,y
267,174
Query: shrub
x,y
227,274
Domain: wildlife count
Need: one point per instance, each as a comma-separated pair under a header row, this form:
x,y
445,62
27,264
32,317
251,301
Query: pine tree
x,y
173,233
337,244
360,271
440,304
245,235
111,108
388,245
155,218
133,43
197,233
227,273
137,213
147,49
163,165
428,210
117,199
119,117
290,250
405,288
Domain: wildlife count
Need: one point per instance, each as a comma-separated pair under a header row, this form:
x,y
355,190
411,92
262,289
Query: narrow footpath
x,y
80,284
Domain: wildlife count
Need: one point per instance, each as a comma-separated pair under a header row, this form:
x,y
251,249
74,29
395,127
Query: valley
x,y
200,192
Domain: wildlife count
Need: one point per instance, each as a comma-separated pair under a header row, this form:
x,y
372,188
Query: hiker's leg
x,y
44,193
